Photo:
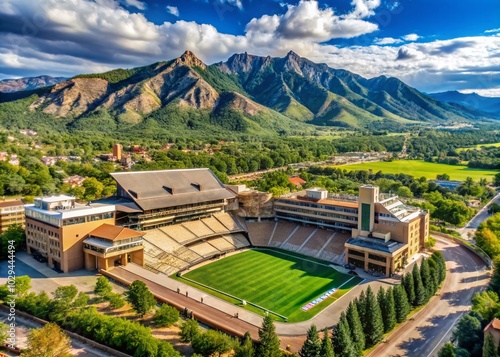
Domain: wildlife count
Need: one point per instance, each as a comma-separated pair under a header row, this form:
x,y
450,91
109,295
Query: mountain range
x,y
29,83
246,93
474,101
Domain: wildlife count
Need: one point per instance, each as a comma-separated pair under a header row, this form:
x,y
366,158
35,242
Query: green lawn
x,y
274,280
478,146
419,168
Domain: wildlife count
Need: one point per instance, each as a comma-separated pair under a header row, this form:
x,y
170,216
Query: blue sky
x,y
433,45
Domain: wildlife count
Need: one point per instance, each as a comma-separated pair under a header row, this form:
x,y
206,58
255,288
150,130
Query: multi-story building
x,y
150,199
109,245
11,212
56,227
385,232
117,151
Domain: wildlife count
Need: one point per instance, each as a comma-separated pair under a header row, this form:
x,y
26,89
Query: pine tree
x,y
246,349
326,345
355,326
495,279
312,344
434,269
361,305
439,259
389,310
269,342
402,306
420,292
374,330
447,351
341,339
427,280
409,286
102,287
489,348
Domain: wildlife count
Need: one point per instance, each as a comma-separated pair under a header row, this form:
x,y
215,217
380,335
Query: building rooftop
x,y
78,210
169,188
377,244
114,233
11,203
55,198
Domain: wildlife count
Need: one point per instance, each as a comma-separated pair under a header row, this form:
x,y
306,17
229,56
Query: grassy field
x,y
478,146
279,282
419,168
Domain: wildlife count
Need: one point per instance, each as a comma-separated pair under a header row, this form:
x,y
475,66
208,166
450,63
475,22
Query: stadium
x,y
185,226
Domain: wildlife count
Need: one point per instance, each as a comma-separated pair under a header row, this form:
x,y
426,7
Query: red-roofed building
x,y
494,328
108,245
296,181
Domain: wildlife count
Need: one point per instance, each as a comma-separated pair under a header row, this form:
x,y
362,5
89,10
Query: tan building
x,y
109,245
11,212
117,151
385,233
494,328
56,227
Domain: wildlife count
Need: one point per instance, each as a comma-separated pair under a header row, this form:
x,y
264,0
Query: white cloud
x,y
305,21
411,37
492,30
490,92
136,3
173,10
387,41
236,3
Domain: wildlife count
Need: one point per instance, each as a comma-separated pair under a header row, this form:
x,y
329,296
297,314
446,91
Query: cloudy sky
x,y
433,45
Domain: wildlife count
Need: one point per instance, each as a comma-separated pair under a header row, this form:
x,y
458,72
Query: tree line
x,y
369,316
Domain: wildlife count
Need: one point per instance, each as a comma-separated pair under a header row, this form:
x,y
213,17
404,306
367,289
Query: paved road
x,y
470,228
431,328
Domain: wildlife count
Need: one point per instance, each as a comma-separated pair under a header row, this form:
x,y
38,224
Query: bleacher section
x,y
205,249
198,228
282,232
172,248
229,222
311,241
179,233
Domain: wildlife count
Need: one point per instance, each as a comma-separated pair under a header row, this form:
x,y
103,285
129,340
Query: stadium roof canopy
x,y
169,188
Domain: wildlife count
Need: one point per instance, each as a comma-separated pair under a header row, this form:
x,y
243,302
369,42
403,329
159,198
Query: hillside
x,y
246,94
472,101
29,83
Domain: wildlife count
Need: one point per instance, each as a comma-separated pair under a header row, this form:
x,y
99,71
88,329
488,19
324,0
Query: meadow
x,y
478,146
276,281
419,168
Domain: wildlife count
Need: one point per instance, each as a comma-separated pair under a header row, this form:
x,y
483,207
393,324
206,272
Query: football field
x,y
287,285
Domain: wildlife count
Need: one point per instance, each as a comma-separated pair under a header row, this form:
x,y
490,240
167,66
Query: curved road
x,y
431,328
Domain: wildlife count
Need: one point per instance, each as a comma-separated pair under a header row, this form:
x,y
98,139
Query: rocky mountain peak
x,y
188,58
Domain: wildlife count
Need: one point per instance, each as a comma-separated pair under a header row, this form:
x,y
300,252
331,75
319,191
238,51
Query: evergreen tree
x,y
402,306
312,344
246,349
427,280
469,334
361,305
374,329
388,308
420,292
341,339
102,287
439,259
447,351
355,326
489,348
434,269
139,296
409,286
495,279
326,345
269,343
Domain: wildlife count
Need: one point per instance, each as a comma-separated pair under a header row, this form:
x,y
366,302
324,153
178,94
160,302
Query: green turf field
x,y
279,282
419,168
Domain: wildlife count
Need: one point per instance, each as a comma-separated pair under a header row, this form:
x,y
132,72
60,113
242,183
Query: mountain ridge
x,y
244,93
28,83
